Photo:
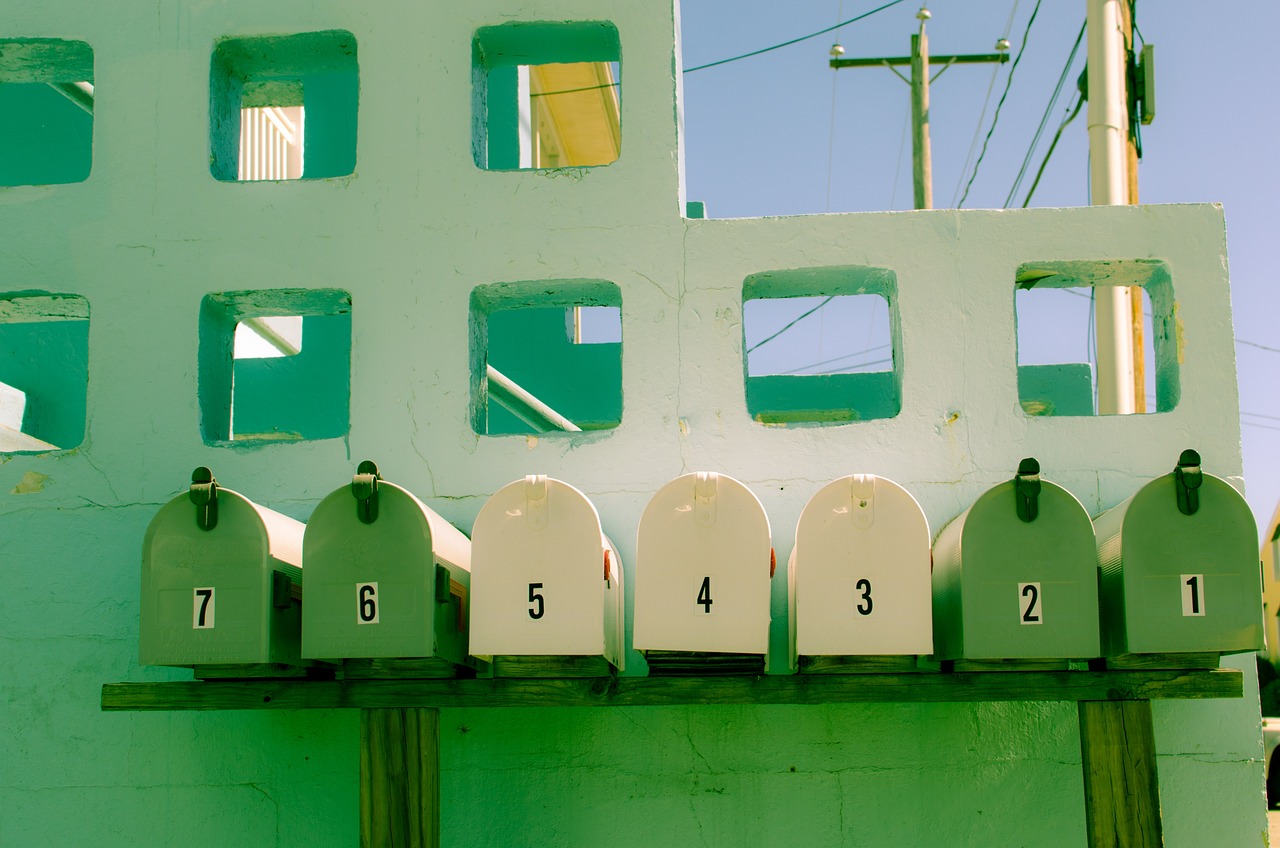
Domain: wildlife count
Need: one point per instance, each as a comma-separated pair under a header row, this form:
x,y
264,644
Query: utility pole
x,y
1110,185
921,152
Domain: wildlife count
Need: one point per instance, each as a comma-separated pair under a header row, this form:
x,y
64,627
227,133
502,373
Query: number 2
x,y
1030,595
704,594
202,610
535,598
1193,594
864,605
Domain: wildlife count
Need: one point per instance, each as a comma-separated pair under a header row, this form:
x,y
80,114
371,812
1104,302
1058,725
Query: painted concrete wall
x,y
409,235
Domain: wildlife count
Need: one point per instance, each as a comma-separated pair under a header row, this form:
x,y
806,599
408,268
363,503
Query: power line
x,y
986,102
1044,119
1052,146
836,359
1258,346
1260,415
792,323
996,118
792,41
841,370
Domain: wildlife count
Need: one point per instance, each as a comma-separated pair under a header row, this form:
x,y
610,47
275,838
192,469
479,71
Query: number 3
x,y
864,586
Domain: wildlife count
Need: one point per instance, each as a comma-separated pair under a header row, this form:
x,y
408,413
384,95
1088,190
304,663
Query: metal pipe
x,y
1109,183
524,405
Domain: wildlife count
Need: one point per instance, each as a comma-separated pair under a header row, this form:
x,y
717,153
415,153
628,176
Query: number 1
x,y
202,610
1193,594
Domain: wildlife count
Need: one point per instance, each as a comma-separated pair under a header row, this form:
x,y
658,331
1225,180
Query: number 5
x,y
535,598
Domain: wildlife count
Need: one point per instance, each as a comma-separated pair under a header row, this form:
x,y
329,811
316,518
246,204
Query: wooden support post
x,y
400,778
1121,792
921,150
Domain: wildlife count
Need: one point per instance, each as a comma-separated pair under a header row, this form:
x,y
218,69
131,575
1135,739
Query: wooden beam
x,y
1121,791
400,778
648,691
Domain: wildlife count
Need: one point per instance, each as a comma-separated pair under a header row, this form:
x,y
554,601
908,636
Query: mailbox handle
x,y
364,487
1026,489
204,494
1187,478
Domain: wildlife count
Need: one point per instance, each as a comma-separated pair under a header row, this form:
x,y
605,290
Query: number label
x,y
864,601
202,609
1193,594
538,604
367,603
704,594
1029,602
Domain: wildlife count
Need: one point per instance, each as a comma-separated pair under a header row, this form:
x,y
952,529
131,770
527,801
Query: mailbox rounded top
x,y
1059,538
245,532
537,518
1222,525
405,529
864,504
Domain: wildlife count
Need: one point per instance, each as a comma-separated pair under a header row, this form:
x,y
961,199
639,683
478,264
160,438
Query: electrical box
x,y
1179,567
221,585
859,573
386,577
703,569
1015,576
545,579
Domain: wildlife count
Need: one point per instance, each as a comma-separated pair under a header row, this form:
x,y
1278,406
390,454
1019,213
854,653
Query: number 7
x,y
202,609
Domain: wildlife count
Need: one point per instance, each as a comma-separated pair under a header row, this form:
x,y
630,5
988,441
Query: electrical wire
x,y
986,102
852,20
996,118
835,359
1044,119
842,370
1052,146
792,323
1258,346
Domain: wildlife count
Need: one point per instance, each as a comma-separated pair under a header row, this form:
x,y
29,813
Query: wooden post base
x,y
400,778
1121,791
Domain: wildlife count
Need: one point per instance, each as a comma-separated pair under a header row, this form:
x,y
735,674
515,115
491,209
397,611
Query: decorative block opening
x,y
546,95
1055,305
275,366
546,357
822,345
284,107
46,111
44,371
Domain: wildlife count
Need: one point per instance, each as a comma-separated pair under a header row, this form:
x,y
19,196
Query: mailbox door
x,y
1191,582
861,571
537,573
615,609
1029,589
370,588
206,594
702,568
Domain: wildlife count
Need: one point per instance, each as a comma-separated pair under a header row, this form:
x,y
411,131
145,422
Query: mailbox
x,y
1179,568
546,582
387,578
1015,576
221,585
703,569
859,575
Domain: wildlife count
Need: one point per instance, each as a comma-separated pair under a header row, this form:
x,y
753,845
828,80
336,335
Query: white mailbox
x,y
387,579
545,580
859,573
703,569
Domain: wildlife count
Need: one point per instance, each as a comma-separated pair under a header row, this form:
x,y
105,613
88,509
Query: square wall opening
x,y
44,371
546,357
821,345
46,111
546,95
284,107
1056,306
275,366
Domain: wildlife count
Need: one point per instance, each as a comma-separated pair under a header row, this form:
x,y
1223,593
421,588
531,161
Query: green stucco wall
x,y
409,235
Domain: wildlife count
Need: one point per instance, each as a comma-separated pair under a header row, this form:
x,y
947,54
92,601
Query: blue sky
x,y
782,134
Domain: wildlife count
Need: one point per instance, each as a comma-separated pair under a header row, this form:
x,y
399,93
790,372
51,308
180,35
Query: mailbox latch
x,y
704,498
862,493
535,501
364,487
204,494
1026,489
1187,478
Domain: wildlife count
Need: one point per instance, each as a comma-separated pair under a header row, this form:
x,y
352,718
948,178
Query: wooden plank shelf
x,y
647,691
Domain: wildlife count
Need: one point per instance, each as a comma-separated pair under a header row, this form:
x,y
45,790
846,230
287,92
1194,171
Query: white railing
x,y
271,143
